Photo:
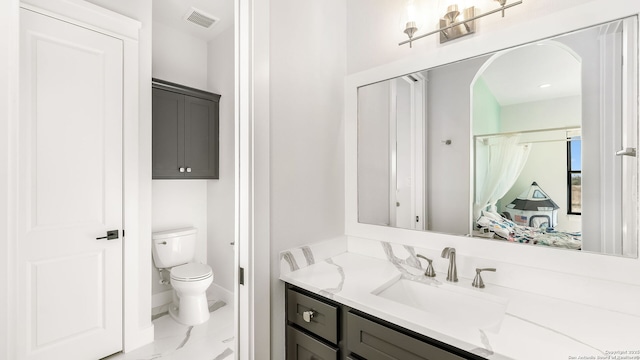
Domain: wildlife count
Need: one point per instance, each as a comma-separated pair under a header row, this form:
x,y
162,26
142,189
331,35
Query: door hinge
x,y
241,276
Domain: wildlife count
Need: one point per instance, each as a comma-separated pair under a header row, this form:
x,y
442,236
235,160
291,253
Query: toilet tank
x,y
174,247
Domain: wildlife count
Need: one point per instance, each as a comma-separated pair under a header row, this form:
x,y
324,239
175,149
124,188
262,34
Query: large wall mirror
x,y
534,145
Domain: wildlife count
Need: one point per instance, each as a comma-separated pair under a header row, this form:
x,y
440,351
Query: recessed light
x,y
544,86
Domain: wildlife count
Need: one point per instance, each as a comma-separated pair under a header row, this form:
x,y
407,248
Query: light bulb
x,y
412,14
409,23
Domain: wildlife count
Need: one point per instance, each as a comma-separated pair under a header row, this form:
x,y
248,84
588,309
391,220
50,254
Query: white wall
x,y
220,193
307,157
179,57
486,110
548,114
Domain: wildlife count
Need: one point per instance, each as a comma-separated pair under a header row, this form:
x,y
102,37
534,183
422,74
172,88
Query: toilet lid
x,y
191,272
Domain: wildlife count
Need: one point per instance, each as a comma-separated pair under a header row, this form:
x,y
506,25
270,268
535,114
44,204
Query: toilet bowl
x,y
190,282
174,250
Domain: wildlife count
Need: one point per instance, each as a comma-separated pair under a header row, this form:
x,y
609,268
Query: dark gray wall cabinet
x,y
185,132
336,331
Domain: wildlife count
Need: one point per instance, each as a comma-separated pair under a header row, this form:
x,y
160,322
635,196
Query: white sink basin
x,y
451,303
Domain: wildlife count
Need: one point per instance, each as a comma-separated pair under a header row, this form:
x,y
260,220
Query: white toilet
x,y
175,250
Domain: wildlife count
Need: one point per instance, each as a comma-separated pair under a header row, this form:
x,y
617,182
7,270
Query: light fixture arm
x,y
502,4
443,30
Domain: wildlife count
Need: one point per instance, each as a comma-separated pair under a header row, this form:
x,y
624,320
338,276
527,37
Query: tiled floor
x,y
213,340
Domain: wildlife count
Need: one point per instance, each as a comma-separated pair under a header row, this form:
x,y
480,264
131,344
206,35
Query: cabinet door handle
x,y
308,315
188,169
181,169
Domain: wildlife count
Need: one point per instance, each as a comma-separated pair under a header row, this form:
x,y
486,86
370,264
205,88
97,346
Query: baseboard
x,y
161,299
217,292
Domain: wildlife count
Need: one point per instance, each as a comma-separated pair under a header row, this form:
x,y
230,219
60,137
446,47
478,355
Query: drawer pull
x,y
308,315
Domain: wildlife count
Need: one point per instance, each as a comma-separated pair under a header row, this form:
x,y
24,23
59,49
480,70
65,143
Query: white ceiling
x,y
516,76
172,12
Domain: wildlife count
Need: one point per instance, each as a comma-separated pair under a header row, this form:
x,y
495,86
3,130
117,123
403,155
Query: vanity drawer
x,y
374,341
324,321
301,346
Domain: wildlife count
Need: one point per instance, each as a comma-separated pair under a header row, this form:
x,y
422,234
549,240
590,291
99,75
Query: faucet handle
x,y
430,272
477,281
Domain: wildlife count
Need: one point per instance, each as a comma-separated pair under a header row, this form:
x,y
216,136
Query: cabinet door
x,y
301,346
374,341
168,134
324,322
201,138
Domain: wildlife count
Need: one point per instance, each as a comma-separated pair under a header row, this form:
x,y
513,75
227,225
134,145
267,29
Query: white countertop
x,y
533,326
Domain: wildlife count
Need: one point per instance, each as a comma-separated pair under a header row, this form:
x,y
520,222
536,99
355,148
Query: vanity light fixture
x,y
452,26
410,29
411,26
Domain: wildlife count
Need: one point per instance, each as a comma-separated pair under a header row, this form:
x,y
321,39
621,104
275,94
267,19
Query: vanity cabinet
x,y
185,132
319,328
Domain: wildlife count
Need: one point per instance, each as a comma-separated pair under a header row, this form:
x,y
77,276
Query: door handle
x,y
111,235
181,169
626,152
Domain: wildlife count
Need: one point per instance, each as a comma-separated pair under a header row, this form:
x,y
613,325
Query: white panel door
x,y
70,191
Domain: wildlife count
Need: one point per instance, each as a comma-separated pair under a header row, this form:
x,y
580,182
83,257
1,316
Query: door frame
x,y
9,69
252,150
137,243
417,151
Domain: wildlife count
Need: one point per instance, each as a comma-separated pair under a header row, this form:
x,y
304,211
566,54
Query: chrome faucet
x,y
452,273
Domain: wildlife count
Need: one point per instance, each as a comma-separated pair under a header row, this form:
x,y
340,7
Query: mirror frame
x,y
598,266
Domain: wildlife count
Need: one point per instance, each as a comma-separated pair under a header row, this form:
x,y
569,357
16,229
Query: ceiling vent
x,y
200,18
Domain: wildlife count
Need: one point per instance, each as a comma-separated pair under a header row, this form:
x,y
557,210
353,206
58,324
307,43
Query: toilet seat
x,y
191,272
